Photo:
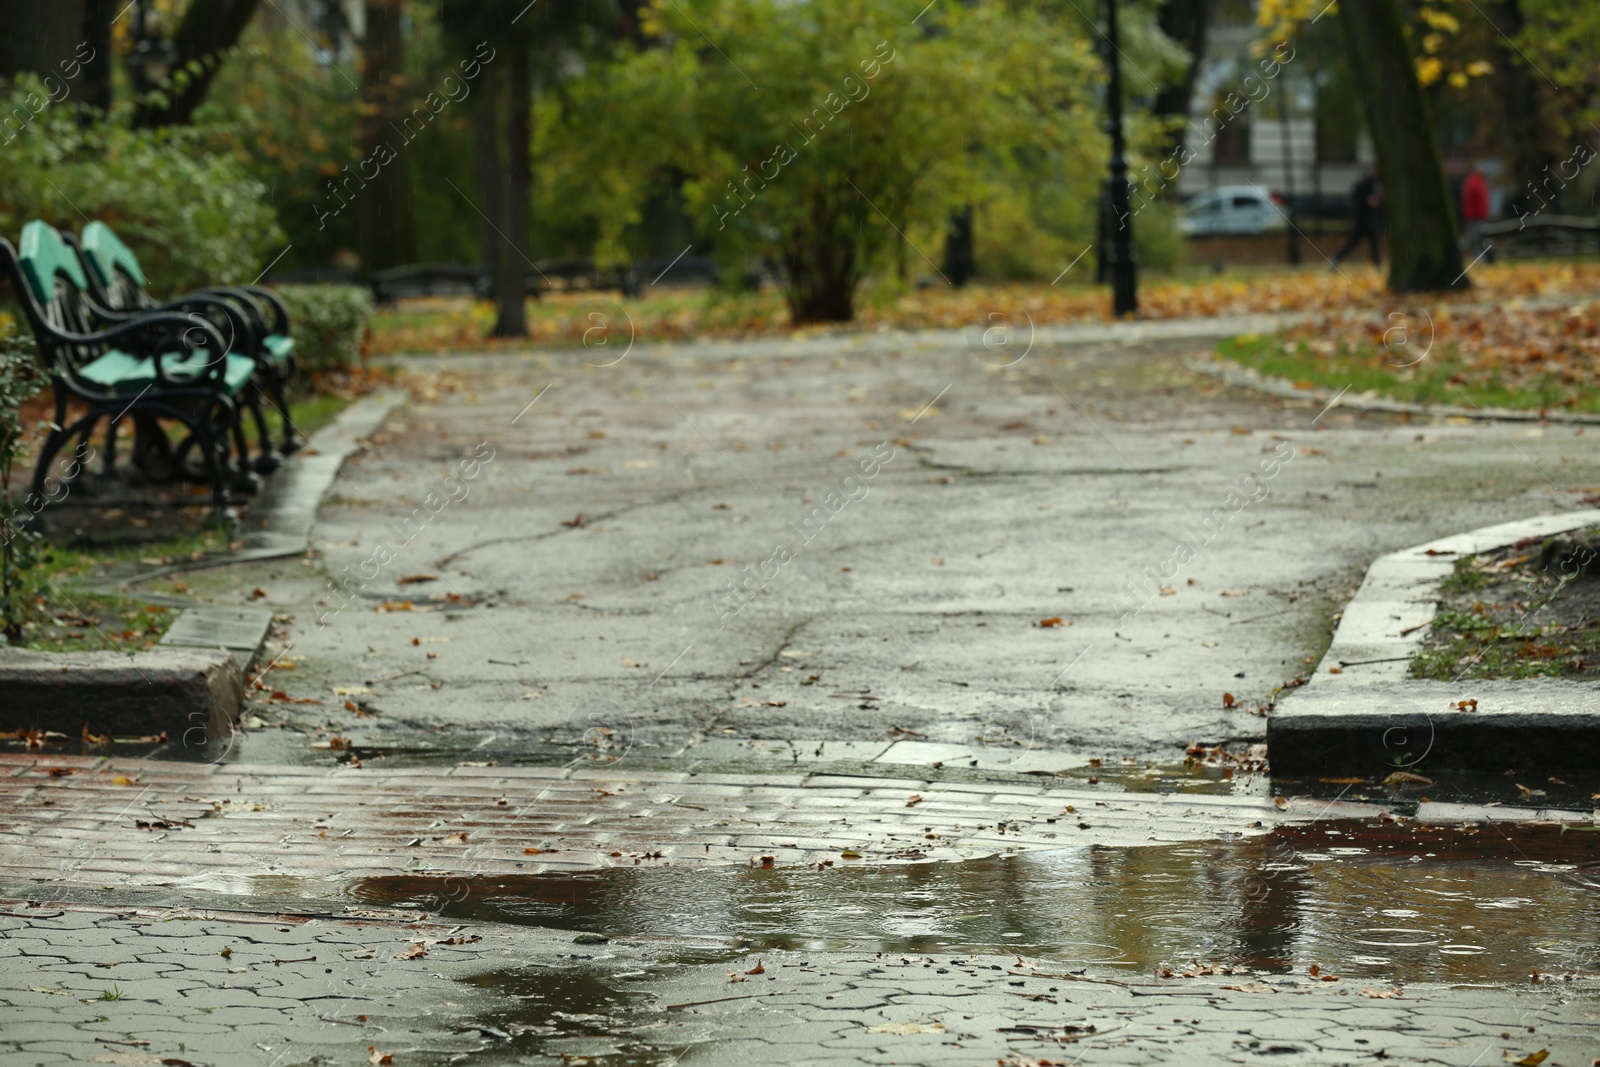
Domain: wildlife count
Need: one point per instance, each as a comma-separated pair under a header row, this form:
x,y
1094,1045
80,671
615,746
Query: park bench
x,y
1544,235
457,279
163,364
253,318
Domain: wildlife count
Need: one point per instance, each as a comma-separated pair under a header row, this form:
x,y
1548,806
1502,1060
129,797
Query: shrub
x,y
20,379
329,323
193,216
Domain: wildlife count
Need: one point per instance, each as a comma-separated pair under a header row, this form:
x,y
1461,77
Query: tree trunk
x,y
819,257
511,276
1186,22
95,78
1523,124
1423,250
486,166
388,238
209,28
39,37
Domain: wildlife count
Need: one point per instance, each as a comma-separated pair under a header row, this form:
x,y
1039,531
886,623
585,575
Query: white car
x,y
1233,209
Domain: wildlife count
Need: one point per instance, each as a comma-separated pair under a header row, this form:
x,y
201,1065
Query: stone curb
x,y
280,522
194,696
1372,710
240,630
1245,378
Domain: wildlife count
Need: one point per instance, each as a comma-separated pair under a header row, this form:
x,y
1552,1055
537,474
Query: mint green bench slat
x,y
279,346
121,373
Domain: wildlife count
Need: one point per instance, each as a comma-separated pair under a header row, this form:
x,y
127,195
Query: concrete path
x,y
849,538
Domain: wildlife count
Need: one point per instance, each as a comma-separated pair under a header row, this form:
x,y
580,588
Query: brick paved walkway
x,y
239,828
145,986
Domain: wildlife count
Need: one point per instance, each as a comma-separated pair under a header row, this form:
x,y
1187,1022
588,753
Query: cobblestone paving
x,y
152,986
240,828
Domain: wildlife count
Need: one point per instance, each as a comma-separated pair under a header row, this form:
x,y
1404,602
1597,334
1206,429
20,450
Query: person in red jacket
x,y
1474,210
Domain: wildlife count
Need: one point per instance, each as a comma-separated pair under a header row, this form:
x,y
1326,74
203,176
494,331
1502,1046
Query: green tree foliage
x,y
832,139
1559,41
192,212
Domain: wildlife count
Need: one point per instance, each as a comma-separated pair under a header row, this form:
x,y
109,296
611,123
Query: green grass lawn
x,y
1515,613
1442,378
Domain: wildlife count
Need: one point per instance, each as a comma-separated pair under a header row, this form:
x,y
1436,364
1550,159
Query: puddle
x,y
1380,903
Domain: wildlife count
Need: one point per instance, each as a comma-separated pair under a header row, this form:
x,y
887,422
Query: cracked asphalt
x,y
777,539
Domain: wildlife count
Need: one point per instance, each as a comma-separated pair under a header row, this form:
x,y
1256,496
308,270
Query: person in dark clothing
x,y
1366,220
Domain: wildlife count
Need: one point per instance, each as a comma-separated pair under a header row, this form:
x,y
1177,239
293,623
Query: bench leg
x,y
268,459
211,437
291,436
242,478
41,494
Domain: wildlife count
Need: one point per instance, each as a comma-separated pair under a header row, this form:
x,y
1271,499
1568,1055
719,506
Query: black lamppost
x,y
152,56
1124,281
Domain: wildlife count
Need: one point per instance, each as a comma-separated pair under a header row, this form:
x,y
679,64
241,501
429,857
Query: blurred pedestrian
x,y
1474,210
1366,198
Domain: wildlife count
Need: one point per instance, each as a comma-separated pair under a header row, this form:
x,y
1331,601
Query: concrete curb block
x,y
1245,378
240,630
194,696
1372,710
280,522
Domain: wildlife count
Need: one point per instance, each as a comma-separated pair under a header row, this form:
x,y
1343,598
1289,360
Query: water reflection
x,y
1377,903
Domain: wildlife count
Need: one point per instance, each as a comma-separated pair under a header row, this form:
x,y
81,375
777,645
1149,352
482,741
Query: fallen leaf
x,y
849,855
1228,700
412,579
1054,620
379,1059
415,951
1253,987
757,969
1466,705
915,799
1393,993
1532,1059
1403,778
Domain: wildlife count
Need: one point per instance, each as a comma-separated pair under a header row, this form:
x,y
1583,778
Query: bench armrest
x,y
263,300
154,334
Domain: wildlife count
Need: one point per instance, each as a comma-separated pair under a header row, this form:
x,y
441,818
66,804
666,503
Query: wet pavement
x,y
150,985
557,758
